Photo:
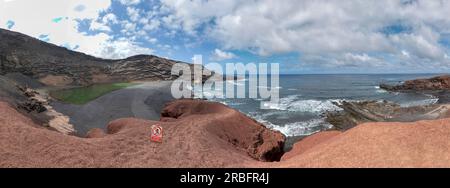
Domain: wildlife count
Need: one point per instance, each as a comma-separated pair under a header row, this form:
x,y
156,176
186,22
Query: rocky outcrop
x,y
228,124
38,104
220,138
309,142
431,84
35,105
354,113
57,66
189,143
34,102
381,145
96,133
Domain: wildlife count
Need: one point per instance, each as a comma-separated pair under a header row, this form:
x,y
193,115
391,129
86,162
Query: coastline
x,y
146,100
201,133
198,138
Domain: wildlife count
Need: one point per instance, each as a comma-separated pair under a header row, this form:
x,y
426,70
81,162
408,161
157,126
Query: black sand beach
x,y
143,101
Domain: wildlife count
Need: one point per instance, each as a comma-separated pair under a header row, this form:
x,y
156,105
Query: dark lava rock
x,y
431,84
355,113
39,60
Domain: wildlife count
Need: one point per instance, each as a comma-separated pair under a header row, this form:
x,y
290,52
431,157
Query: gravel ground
x,y
143,101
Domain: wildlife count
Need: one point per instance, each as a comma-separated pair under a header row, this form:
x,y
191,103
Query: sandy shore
x,y
143,101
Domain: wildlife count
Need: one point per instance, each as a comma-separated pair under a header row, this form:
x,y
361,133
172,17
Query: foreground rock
x,y
228,124
430,84
384,144
308,143
197,139
355,113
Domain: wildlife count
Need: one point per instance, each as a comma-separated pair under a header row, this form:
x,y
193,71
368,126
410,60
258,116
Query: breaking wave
x,y
302,128
431,100
379,90
294,104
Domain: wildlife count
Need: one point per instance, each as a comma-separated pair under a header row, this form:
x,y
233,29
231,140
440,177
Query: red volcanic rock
x,y
221,137
382,144
193,141
309,142
435,83
229,125
117,126
96,133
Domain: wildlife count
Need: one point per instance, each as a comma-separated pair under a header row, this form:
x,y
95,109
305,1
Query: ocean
x,y
305,98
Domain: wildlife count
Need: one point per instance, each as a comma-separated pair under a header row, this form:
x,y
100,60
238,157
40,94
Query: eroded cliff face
x,y
58,66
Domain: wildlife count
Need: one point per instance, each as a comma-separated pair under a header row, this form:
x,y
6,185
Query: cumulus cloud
x,y
219,55
133,13
99,26
110,18
328,33
121,48
330,29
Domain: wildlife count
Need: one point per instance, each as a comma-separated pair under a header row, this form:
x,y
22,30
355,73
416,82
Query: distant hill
x,y
58,66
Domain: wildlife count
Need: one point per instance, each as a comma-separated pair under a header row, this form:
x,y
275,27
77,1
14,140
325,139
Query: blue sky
x,y
386,36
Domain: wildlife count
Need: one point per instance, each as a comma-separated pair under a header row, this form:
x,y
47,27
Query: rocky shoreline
x,y
198,133
218,135
437,83
355,113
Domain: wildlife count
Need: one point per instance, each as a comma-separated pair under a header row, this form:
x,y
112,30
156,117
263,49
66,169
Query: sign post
x,y
157,133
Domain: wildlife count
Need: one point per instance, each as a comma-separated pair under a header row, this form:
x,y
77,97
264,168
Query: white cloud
x,y
129,26
151,40
318,27
406,54
97,26
38,21
358,57
110,18
325,32
152,25
123,48
219,55
130,2
133,13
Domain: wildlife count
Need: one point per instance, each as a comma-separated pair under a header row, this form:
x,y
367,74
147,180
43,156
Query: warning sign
x,y
157,133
